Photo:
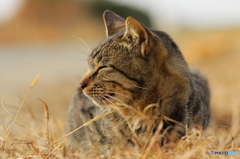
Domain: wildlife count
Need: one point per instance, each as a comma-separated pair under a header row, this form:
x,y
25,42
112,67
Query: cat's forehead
x,y
104,51
105,43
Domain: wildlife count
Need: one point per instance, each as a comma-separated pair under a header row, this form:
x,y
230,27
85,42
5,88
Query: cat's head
x,y
127,68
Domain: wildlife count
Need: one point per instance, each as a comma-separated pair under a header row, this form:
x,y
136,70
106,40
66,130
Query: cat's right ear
x,y
113,23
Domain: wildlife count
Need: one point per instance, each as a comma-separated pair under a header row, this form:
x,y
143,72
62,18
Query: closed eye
x,y
96,72
101,68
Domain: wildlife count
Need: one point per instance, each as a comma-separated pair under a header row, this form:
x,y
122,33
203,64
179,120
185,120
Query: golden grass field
x,y
34,131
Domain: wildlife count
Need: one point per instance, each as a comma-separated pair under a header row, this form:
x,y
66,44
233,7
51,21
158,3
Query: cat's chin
x,y
99,103
105,103
115,104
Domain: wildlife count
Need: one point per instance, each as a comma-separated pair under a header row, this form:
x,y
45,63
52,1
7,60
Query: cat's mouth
x,y
104,99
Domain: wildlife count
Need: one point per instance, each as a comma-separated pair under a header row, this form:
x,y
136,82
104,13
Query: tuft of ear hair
x,y
140,33
113,23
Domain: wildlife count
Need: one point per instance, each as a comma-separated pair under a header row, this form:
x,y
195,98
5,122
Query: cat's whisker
x,y
88,51
114,108
87,47
127,120
105,102
139,112
84,54
123,96
139,86
101,100
124,104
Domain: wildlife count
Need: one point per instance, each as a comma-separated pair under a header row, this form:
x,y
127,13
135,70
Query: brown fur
x,y
141,75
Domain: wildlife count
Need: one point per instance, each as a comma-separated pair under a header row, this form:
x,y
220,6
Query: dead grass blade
x,y
20,107
230,136
17,121
46,118
53,150
152,141
85,124
174,121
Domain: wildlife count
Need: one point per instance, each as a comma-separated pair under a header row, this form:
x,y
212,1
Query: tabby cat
x,y
141,76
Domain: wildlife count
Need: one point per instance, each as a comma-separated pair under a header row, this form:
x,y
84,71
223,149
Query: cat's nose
x,y
82,85
85,80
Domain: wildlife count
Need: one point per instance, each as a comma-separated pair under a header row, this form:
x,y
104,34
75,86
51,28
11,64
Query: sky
x,y
198,14
8,8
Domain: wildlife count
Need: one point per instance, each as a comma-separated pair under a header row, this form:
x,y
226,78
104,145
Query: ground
x,y
34,135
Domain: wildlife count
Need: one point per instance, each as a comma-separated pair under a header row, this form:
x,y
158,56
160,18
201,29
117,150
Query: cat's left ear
x,y
113,23
139,34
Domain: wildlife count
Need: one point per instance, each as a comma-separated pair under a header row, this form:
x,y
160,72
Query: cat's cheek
x,y
120,95
86,94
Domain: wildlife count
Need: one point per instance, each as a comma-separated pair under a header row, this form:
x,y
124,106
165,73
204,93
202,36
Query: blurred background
x,y
40,37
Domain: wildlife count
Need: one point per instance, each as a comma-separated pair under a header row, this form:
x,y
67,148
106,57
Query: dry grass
x,y
32,134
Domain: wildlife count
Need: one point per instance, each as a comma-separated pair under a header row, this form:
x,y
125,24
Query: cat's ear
x,y
139,34
113,23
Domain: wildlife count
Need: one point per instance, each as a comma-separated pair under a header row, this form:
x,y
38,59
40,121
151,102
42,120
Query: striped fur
x,y
141,75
